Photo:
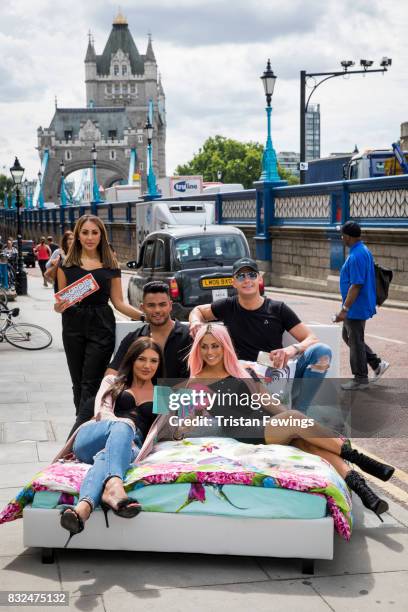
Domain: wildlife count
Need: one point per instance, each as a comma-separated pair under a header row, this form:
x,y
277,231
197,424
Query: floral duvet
x,y
203,463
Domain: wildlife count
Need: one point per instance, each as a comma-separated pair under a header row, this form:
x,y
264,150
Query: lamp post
x,y
304,104
25,189
40,194
17,173
63,195
269,163
151,179
95,189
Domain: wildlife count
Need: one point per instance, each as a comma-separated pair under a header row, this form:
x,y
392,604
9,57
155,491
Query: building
x,y
289,160
312,132
121,86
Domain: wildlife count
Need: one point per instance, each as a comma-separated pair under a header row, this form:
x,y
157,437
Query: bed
x,y
203,495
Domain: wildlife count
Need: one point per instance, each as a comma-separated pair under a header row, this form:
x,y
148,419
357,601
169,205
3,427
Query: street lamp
x,y
95,189
17,172
63,195
385,63
40,194
269,163
151,179
25,189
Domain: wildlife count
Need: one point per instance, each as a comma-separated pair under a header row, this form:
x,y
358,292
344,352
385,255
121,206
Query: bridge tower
x,y
119,86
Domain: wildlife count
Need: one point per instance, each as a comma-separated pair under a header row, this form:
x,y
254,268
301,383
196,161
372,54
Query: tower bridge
x,y
122,87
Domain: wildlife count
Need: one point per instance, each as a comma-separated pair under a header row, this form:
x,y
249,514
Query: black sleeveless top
x,y
141,414
103,277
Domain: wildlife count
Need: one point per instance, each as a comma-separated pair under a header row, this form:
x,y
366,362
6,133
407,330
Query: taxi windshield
x,y
210,248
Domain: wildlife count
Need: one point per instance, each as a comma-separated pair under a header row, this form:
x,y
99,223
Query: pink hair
x,y
231,363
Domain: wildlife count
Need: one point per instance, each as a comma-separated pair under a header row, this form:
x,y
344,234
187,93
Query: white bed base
x,y
306,539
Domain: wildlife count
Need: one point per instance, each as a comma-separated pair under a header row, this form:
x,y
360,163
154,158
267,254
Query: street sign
x,y
303,166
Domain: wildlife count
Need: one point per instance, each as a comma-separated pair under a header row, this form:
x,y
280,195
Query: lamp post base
x,y
21,282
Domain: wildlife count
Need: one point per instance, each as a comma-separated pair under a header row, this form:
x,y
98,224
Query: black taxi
x,y
195,261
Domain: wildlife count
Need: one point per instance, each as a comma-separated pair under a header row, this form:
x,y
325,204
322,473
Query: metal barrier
x,y
379,202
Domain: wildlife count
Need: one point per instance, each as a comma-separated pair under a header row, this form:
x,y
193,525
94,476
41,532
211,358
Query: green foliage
x,y
6,185
286,175
239,162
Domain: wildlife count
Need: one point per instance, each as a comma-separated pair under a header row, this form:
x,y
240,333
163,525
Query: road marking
x,y
367,335
386,339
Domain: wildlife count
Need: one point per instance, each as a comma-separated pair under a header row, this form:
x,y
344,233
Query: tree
x,y
6,184
238,162
287,175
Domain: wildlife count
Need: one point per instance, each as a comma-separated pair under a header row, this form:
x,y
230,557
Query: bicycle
x,y
22,335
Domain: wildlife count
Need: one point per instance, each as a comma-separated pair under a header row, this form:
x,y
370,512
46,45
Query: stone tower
x,y
122,77
120,84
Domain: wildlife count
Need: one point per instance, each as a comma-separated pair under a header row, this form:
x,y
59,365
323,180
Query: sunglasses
x,y
241,276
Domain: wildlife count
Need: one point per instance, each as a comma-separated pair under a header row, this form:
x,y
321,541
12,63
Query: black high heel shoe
x,y
72,522
367,464
370,500
126,508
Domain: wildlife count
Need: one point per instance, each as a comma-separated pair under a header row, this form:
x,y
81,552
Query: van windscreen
x,y
211,247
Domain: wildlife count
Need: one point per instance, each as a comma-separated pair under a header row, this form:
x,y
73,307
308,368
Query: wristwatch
x,y
345,308
298,349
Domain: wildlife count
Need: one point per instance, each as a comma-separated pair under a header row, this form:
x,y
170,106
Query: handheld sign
x,y
78,290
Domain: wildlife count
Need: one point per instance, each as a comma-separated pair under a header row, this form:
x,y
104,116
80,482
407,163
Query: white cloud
x,y
211,57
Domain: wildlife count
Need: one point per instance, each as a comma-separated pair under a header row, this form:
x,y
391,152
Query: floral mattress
x,y
207,467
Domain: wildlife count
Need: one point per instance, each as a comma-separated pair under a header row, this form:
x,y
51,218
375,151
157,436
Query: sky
x,y
211,54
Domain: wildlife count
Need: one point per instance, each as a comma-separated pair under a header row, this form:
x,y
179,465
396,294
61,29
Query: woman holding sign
x,y
87,280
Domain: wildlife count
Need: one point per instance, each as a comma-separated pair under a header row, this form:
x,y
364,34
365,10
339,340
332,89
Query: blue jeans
x,y
309,375
108,446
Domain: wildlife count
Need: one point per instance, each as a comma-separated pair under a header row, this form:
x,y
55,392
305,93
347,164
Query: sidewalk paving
x,y
36,413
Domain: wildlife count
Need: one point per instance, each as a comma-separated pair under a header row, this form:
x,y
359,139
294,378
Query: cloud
x,y
211,54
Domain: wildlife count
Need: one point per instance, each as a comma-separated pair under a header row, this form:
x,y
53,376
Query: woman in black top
x,y
213,358
88,327
112,440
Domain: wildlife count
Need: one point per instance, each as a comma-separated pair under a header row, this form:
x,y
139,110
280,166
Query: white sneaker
x,y
383,367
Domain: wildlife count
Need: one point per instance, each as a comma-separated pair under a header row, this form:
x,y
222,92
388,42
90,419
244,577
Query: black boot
x,y
367,464
370,500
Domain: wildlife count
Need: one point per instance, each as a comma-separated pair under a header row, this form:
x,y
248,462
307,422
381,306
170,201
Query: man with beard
x,y
173,337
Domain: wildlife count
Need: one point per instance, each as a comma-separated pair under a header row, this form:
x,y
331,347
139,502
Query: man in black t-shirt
x,y
257,324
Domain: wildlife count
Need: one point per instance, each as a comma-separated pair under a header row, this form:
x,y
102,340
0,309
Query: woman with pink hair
x,y
212,358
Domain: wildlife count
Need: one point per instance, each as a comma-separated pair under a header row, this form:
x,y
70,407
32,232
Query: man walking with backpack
x,y
358,292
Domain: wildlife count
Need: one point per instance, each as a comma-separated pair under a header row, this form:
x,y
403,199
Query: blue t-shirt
x,y
358,269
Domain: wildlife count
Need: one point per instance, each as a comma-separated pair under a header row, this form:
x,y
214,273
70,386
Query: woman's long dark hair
x,y
124,377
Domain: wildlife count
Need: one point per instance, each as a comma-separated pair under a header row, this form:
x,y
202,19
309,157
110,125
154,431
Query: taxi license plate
x,y
213,283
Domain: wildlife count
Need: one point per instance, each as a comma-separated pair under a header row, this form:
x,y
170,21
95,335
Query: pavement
x,y
36,412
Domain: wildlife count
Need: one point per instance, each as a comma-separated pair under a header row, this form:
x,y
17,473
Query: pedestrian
x,y
9,250
172,336
43,253
111,442
358,294
257,323
51,244
58,256
88,327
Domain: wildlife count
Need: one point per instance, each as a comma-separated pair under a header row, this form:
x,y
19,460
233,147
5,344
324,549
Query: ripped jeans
x,y
108,446
311,368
